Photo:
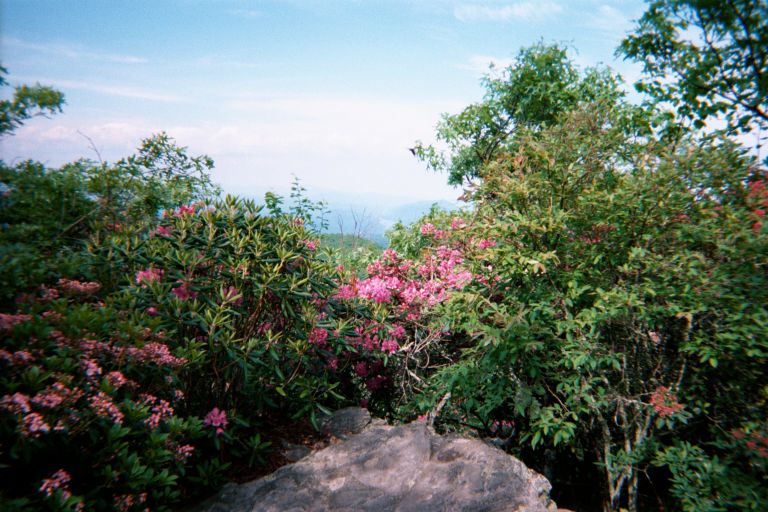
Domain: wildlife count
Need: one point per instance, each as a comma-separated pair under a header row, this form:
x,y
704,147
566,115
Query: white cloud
x,y
520,11
480,64
71,51
109,90
609,19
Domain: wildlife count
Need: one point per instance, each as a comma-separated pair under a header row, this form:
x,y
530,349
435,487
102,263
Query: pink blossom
x,y
117,379
318,337
8,322
486,243
345,292
103,406
54,396
34,425
163,231
92,368
216,418
184,210
389,346
149,276
153,352
458,223
375,383
310,244
427,229
48,294
78,287
151,311
183,292
361,369
58,480
17,403
160,410
184,452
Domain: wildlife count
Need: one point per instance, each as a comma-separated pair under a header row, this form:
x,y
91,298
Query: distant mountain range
x,y
372,222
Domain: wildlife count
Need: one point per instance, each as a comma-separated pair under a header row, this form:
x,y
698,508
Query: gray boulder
x,y
392,468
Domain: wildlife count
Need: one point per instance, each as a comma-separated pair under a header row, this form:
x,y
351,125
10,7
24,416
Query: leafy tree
x,y
27,102
715,52
530,94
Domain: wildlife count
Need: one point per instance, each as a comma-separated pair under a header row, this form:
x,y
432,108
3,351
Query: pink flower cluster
x,y
149,276
127,502
20,357
665,402
160,410
8,322
431,231
311,244
162,231
183,292
73,287
184,210
58,481
217,419
319,337
103,406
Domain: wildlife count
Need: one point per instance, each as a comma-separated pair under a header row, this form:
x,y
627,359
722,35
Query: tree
x,y
530,94
27,102
716,54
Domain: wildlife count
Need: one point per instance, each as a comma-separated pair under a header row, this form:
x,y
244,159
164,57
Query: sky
x,y
333,92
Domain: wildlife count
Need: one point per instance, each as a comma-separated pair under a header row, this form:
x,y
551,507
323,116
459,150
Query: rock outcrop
x,y
378,467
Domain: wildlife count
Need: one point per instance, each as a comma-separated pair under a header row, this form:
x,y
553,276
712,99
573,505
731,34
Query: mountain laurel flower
x,y
216,418
17,403
78,288
7,322
58,480
103,406
34,425
184,452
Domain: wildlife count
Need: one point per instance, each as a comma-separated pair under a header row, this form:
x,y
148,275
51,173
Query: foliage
x,y
27,102
716,53
617,304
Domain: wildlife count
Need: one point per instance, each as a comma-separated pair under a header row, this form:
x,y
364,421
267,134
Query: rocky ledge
x,y
378,467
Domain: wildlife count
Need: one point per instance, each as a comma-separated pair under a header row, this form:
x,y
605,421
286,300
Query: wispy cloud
x,y
69,51
109,90
481,64
519,11
609,19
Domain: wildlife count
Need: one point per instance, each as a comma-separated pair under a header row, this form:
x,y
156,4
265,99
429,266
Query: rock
x,y
346,422
393,468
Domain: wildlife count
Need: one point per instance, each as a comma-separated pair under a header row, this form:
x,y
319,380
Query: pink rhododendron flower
x,y
458,223
318,337
163,231
151,311
148,276
389,346
427,229
184,210
361,369
311,244
486,243
183,292
216,418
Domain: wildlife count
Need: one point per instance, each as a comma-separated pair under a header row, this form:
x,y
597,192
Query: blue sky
x,y
331,91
